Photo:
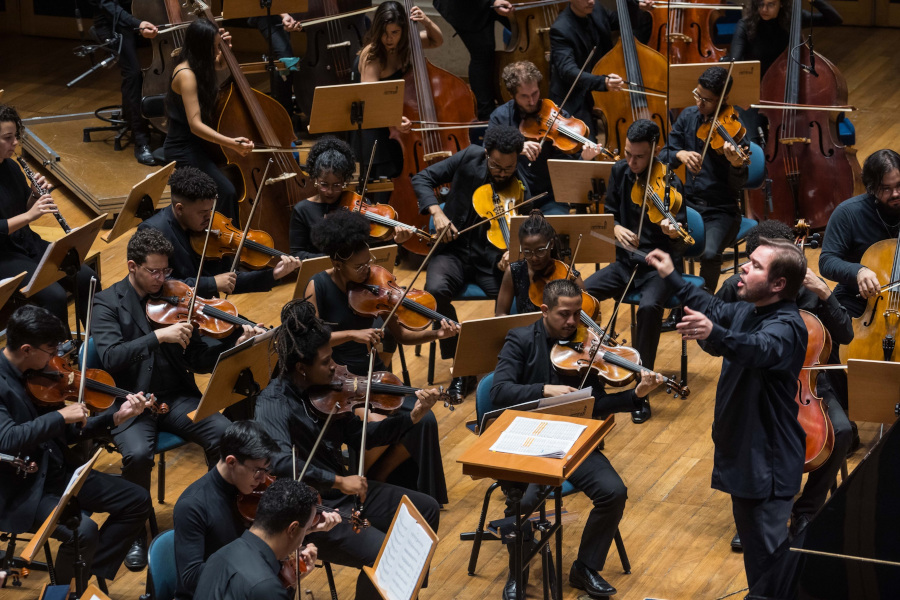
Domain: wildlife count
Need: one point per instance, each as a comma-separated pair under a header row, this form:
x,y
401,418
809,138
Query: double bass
x,y
684,33
432,96
811,171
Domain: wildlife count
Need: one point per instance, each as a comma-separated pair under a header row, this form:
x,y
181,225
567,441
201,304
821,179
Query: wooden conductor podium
x,y
480,462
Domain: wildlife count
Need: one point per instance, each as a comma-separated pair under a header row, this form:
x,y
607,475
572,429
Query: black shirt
x,y
206,519
245,569
14,195
304,217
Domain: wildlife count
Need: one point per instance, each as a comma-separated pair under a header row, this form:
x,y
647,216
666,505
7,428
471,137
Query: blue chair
x,y
162,575
482,406
756,177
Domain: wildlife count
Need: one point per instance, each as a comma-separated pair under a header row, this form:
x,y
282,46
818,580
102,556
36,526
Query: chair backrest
x,y
162,576
757,169
93,357
698,232
483,396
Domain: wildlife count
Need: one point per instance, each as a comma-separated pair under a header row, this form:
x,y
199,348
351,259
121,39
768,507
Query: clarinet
x,y
41,191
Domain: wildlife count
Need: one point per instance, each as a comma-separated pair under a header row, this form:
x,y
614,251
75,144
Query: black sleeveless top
x,y
179,134
521,283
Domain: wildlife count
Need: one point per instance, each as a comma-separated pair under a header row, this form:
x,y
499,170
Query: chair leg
x,y
432,352
161,479
404,371
51,571
623,556
479,533
154,527
633,317
330,577
684,362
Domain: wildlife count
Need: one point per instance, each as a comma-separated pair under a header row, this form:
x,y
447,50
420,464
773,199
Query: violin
x,y
727,127
59,382
617,366
215,317
569,134
656,208
382,217
258,251
490,202
23,466
380,293
560,270
813,411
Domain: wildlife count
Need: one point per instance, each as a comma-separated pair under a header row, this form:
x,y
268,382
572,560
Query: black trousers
x,y
343,546
283,90
610,281
762,526
446,277
597,478
480,44
103,549
721,226
194,156
53,297
132,82
137,443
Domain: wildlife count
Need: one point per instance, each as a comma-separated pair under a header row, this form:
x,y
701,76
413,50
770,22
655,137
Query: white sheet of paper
x,y
535,437
403,558
75,477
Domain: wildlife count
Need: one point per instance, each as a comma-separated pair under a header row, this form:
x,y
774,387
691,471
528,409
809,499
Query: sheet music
x,y
536,437
403,558
75,477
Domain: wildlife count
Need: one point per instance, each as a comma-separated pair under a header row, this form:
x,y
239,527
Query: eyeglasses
x,y
157,273
334,187
537,252
52,353
257,471
701,99
499,169
362,267
881,190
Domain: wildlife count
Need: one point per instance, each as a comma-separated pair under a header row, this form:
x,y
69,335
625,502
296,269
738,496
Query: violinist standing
x,y
522,81
286,412
610,281
713,186
759,444
470,258
524,372
162,360
193,195
115,25
32,337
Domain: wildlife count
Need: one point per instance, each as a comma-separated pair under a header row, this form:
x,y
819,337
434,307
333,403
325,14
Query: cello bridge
x,y
795,140
435,156
891,320
680,37
542,30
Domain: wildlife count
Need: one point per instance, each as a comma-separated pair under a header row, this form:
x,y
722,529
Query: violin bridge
x,y
71,379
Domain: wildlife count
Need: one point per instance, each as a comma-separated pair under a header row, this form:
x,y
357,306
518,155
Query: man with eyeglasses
x,y
163,361
206,514
713,182
469,258
193,196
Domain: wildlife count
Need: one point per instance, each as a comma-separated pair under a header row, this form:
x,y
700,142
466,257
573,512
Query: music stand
x,y
92,592
481,340
9,286
568,228
141,203
384,257
579,181
874,390
578,404
241,373
744,90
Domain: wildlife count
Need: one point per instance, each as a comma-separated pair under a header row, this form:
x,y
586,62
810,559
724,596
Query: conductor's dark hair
x,y
331,155
10,114
537,225
643,130
246,440
770,229
504,138
789,262
35,326
301,335
341,234
388,13
714,79
284,502
147,241
189,184
199,51
560,288
877,165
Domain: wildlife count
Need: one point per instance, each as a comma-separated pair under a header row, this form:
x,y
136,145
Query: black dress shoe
x,y
144,156
136,559
460,387
736,543
671,321
509,590
643,413
583,578
798,524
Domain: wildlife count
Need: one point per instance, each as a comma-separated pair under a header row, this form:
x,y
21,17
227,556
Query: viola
x,y
569,134
378,295
59,382
23,466
560,270
656,208
215,317
258,251
728,128
490,202
382,217
813,411
529,25
617,366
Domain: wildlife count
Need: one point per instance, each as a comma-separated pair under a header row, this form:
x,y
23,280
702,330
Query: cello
x,y
644,68
811,171
813,411
432,96
683,32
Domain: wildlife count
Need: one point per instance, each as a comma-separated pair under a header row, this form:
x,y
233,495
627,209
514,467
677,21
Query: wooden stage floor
x,y
676,529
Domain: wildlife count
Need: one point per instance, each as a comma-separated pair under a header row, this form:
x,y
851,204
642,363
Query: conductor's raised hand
x,y
660,261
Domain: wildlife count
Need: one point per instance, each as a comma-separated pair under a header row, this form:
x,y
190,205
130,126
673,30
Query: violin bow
x,y
612,317
502,212
315,446
365,181
574,254
715,117
646,190
87,335
240,248
191,302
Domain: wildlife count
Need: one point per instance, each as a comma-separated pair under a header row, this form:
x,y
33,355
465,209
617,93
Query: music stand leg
x,y
72,516
70,265
557,495
515,495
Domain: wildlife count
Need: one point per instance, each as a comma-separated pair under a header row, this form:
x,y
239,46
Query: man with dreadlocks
x,y
286,413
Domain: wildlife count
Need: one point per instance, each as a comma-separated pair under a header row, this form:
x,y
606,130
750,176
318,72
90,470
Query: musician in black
x,y
188,216
42,435
21,248
249,567
119,29
634,228
470,258
159,360
815,297
206,514
522,80
524,372
285,411
759,444
277,30
714,181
